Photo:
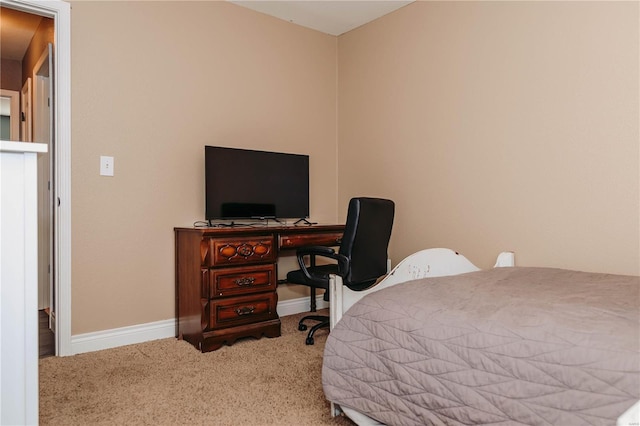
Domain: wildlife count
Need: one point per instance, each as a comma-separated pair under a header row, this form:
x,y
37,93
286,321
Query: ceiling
x,y
333,17
16,31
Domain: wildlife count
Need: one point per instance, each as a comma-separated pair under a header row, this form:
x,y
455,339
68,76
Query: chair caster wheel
x,y
309,341
302,327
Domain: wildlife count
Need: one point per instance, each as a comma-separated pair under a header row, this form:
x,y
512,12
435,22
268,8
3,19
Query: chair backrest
x,y
366,240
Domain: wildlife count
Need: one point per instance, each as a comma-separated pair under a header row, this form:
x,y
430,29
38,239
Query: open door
x,y
43,120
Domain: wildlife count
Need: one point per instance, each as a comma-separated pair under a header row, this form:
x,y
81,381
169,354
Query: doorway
x,y
57,179
42,110
27,57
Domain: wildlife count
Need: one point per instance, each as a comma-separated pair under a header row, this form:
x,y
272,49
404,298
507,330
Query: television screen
x,y
242,184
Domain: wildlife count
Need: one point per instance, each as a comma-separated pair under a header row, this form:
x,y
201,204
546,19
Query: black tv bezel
x,y
281,155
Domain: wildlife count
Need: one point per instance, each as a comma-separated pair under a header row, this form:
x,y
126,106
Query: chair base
x,y
323,321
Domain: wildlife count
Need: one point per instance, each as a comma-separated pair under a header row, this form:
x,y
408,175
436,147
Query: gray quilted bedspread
x,y
533,346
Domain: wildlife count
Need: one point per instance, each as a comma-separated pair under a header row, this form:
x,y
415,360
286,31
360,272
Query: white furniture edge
x,y
434,262
631,417
10,146
19,282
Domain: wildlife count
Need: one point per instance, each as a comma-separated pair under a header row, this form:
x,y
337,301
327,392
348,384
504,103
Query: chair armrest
x,y
321,251
314,250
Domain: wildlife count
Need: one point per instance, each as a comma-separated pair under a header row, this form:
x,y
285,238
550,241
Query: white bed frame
x,y
435,262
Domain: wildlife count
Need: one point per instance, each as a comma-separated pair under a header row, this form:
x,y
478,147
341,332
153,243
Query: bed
x,y
439,341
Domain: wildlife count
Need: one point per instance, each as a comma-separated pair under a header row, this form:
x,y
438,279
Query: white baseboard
x,y
107,339
301,304
115,337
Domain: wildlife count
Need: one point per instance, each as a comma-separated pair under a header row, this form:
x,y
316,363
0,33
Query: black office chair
x,y
361,259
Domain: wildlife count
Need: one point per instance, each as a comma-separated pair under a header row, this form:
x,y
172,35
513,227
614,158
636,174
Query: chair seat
x,y
321,271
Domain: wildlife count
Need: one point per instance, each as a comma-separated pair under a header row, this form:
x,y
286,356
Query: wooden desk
x,y
226,279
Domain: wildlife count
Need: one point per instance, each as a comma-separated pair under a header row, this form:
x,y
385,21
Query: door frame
x,y
43,123
25,111
60,11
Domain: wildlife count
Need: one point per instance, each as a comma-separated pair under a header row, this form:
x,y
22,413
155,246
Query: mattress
x,y
534,346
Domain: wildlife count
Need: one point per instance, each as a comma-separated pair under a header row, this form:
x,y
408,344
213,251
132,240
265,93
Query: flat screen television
x,y
244,184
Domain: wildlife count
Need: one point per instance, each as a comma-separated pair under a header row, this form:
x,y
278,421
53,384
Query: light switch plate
x,y
106,166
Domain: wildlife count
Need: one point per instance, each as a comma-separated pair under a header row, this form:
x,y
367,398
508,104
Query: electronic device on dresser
x,y
226,276
249,184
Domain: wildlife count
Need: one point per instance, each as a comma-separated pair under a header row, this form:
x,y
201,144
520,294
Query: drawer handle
x,y
245,310
244,281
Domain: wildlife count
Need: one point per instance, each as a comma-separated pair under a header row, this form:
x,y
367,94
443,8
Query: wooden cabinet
x,y
226,280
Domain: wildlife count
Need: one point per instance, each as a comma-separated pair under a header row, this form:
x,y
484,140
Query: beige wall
x,y
10,76
152,84
498,126
494,126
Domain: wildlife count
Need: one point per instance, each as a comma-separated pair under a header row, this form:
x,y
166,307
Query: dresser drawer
x,y
240,280
243,310
293,241
240,250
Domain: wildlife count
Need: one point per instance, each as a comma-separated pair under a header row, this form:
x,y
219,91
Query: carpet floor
x,y
169,382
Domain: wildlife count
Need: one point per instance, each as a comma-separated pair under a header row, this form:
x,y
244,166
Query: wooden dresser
x,y
226,279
